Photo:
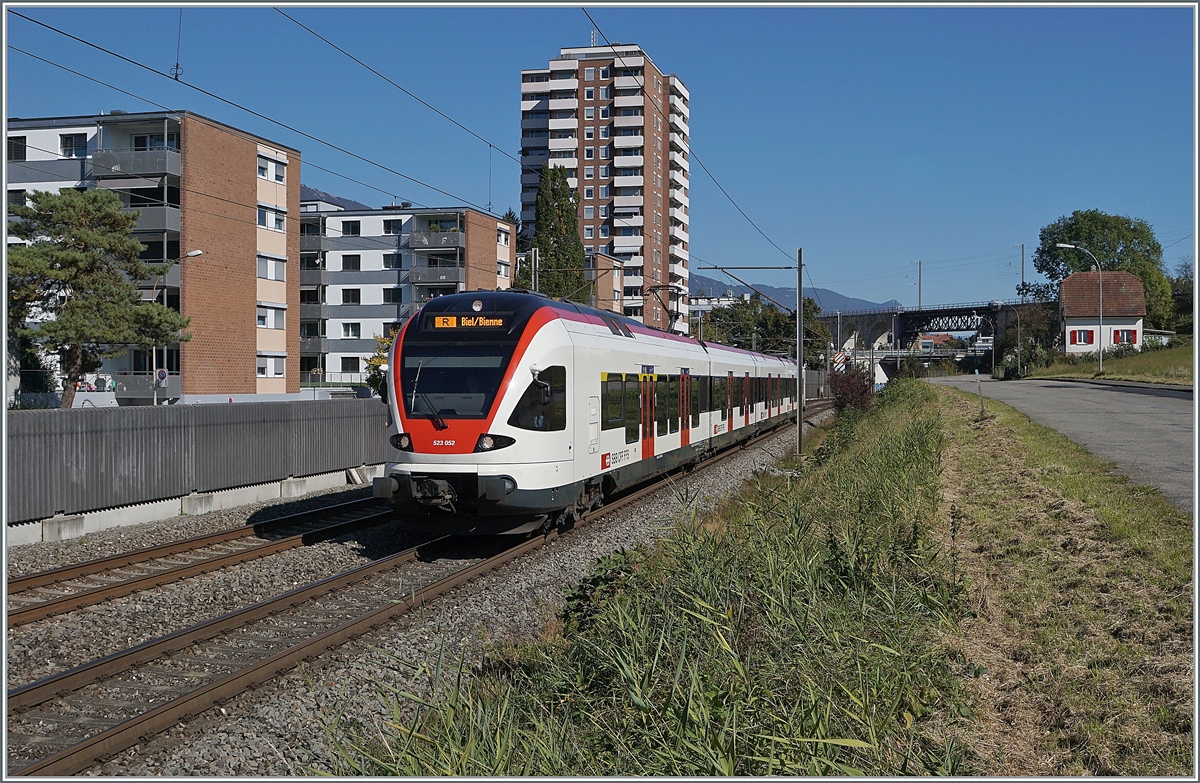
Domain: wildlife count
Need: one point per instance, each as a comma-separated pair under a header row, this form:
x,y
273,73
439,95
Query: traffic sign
x,y
839,359
162,375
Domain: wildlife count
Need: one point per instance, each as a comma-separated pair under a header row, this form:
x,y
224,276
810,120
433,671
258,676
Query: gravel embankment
x,y
280,728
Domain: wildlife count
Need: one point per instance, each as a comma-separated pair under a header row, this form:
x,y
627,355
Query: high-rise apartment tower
x,y
619,126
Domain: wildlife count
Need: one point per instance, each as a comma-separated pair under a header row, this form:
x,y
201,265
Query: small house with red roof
x,y
1079,311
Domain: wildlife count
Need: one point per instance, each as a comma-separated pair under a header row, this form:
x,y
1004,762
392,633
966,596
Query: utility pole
x,y
800,349
1022,272
533,259
918,285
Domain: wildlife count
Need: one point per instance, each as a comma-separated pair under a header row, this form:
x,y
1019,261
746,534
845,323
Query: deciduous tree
x,y
72,288
1119,243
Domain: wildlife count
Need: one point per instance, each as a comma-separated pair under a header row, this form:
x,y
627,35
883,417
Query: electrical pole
x,y
1022,273
800,349
533,253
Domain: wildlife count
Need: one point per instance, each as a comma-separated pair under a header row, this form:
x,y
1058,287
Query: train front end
x,y
477,426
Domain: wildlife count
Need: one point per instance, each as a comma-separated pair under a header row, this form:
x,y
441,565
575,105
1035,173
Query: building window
x,y
1124,336
605,93
589,192
351,263
310,261
393,226
351,331
278,222
1083,336
262,217
604,73
310,296
604,232
351,228
502,268
16,148
604,131
263,165
605,172
351,296
393,296
589,94
272,268
73,145
589,212
604,190
589,74
312,329
589,172
605,152
588,233
589,112
350,363
280,168
393,261
16,198
604,113
503,237
154,141
604,210
589,132
269,318
589,153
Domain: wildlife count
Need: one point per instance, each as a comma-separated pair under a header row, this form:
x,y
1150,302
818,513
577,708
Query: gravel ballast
x,y
281,727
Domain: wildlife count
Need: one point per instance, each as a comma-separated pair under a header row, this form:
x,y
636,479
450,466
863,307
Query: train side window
x,y
695,392
719,390
705,394
673,401
633,408
661,404
612,416
533,414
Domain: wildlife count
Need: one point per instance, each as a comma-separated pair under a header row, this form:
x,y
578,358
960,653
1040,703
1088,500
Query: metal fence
x,y
72,461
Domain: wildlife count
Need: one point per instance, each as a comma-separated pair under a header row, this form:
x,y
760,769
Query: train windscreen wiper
x,y
438,422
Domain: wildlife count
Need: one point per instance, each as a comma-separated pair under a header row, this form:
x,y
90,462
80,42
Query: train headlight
x,y
492,442
401,441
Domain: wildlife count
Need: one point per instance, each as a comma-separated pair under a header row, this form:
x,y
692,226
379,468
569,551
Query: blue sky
x,y
871,137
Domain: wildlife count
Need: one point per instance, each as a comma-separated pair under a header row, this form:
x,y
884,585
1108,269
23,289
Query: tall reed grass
x,y
790,632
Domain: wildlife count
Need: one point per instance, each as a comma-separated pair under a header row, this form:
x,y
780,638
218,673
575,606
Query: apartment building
x,y
219,202
364,272
619,125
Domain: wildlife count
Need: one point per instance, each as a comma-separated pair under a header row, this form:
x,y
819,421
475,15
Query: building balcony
x,y
71,170
628,201
626,161
535,157
538,105
628,182
156,219
529,198
562,104
564,163
677,159
678,123
313,311
629,221
563,144
430,275
535,143
571,124
538,124
677,251
679,177
626,142
629,82
678,142
563,84
126,162
528,216
680,215
311,243
314,345
531,177
678,196
679,105
130,385
627,244
679,88
628,101
629,122
313,277
679,233
680,271
437,239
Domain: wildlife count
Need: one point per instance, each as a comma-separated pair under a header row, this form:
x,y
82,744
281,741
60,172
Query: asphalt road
x,y
1147,433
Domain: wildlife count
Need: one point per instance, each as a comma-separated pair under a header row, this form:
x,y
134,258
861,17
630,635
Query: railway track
x,y
64,723
60,590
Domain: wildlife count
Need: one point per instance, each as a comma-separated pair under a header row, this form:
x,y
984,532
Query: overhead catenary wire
x,y
236,131
253,112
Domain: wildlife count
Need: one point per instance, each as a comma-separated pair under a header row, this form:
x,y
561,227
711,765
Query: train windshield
x,y
460,384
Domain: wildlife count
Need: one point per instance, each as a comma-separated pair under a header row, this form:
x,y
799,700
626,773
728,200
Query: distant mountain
x,y
830,301
312,194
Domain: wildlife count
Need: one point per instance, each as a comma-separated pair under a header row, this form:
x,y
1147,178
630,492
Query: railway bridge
x,y
897,327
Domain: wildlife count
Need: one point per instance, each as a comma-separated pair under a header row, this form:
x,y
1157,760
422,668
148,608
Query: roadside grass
x,y
1081,594
797,629
1169,365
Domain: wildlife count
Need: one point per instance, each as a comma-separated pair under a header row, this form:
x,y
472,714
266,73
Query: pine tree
x,y
77,280
556,237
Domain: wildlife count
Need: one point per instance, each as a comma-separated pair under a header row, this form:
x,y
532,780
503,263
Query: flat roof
x,y
133,116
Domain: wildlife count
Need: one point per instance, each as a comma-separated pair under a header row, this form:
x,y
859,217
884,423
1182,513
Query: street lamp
x,y
1100,278
996,306
979,318
154,349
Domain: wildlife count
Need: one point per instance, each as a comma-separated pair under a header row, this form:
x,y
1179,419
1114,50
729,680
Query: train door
x,y
747,399
648,417
729,399
685,407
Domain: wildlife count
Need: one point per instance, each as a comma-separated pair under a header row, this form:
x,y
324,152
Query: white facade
x,y
1085,335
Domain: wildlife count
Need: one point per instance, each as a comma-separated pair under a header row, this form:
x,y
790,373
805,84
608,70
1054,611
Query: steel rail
x,y
67,603
106,743
64,573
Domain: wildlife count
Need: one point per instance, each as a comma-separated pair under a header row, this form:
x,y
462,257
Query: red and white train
x,y
509,409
